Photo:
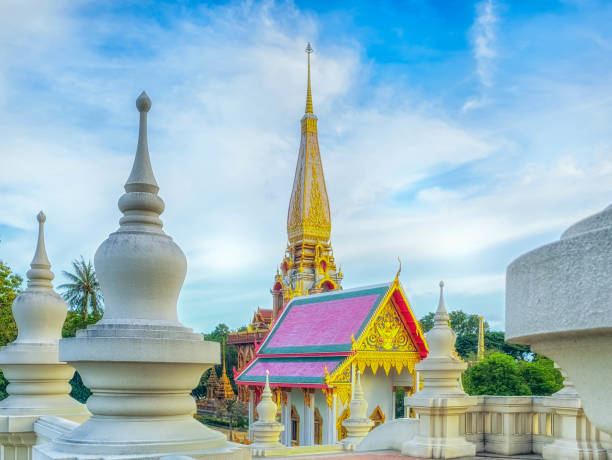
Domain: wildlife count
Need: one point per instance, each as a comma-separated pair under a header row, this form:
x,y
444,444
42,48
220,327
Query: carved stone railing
x,y
553,427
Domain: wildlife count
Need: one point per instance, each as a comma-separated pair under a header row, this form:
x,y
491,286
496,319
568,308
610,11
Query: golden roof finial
x,y
308,91
399,270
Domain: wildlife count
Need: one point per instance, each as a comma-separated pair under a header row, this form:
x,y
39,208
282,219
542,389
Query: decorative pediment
x,y
386,332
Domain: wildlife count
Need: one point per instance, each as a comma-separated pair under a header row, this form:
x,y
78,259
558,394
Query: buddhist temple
x,y
315,348
308,266
320,334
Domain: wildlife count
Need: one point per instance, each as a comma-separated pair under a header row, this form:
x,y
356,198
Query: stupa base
x,y
113,438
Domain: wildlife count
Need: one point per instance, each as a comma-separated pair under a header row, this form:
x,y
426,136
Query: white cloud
x,y
224,136
484,50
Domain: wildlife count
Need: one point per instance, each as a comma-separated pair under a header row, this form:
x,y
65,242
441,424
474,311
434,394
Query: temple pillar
x,y
332,416
309,408
251,412
393,403
285,419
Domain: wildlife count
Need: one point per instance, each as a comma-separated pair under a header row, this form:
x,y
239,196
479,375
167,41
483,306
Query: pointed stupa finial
x,y
40,273
308,90
441,316
142,178
140,204
358,392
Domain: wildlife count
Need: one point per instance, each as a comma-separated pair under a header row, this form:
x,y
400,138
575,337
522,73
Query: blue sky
x,y
455,135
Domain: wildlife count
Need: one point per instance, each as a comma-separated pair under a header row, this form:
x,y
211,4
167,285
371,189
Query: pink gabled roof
x,y
305,371
323,323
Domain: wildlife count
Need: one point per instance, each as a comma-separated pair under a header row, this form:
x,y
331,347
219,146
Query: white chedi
x,y
38,381
266,430
441,402
358,425
139,361
442,368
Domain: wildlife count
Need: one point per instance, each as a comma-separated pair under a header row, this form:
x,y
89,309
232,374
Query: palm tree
x,y
83,290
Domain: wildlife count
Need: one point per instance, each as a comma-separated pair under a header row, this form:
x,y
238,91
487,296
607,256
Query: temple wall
x,y
377,390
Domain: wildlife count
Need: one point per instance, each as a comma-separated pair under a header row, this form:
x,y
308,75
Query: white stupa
x,y
139,361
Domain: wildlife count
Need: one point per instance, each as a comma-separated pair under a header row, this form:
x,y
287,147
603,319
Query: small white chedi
x,y
139,361
358,425
266,430
441,402
559,301
38,381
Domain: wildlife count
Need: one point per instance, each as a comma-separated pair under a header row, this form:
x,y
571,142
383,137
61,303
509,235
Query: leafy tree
x,y
541,376
495,340
220,334
82,292
10,287
497,374
232,410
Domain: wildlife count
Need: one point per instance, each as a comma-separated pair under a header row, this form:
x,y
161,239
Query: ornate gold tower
x,y
308,266
481,347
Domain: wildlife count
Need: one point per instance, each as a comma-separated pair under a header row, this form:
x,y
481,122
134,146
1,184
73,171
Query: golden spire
x,y
228,391
308,91
309,215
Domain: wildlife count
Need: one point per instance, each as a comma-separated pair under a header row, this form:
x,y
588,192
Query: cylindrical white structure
x,y
559,301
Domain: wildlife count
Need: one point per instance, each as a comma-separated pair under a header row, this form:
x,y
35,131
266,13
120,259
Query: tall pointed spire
x,y
308,90
142,178
141,206
308,266
441,317
40,273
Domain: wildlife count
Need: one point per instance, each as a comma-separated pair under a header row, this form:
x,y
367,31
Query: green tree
x,y
234,411
495,340
541,376
220,334
10,287
497,374
82,292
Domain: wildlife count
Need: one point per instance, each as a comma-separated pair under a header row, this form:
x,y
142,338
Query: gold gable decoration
x,y
385,342
386,332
